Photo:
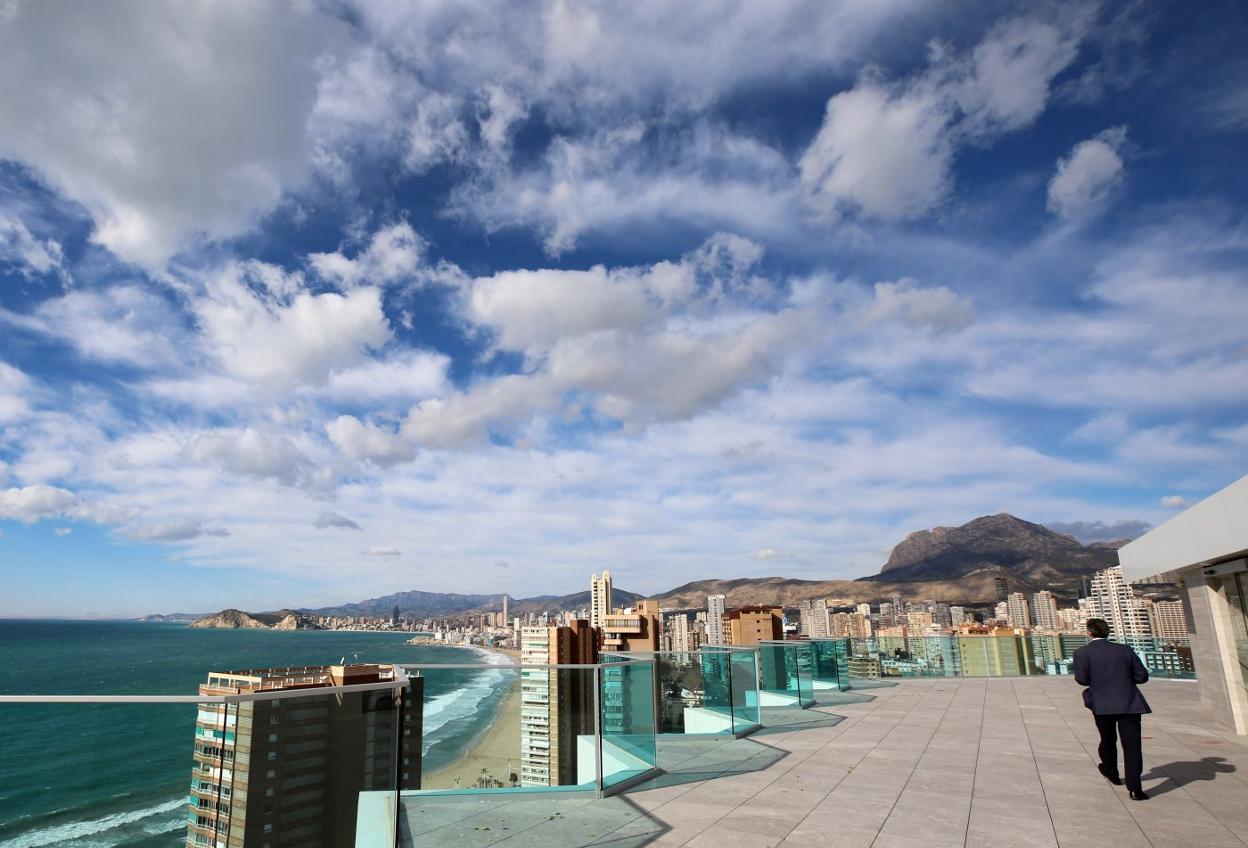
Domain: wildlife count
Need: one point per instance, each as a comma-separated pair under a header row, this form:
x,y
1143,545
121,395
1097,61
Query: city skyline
x,y
374,298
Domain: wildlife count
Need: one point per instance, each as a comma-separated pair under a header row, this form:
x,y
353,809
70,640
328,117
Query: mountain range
x,y
950,564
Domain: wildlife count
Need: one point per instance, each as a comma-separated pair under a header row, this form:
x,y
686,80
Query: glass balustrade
x,y
997,654
785,674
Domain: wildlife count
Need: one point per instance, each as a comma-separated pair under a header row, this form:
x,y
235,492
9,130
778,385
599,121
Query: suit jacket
x,y
1111,672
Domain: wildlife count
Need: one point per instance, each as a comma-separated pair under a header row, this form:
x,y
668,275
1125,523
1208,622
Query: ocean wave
x,y
463,702
62,833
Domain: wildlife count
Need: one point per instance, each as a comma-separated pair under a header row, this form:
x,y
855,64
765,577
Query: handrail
x,y
241,697
275,694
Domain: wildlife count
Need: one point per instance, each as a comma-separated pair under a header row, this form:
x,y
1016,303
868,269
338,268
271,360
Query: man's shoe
x,y
1138,795
1112,778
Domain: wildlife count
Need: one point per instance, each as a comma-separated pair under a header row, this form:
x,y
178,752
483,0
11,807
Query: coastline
x,y
497,750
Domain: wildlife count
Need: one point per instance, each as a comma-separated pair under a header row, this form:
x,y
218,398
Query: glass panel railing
x,y
102,773
694,692
296,767
828,657
743,681
627,705
997,652
785,674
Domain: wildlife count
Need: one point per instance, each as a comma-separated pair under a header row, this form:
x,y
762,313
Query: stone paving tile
x,y
930,763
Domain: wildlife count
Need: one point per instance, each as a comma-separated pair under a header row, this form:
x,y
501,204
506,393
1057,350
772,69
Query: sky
x,y
303,303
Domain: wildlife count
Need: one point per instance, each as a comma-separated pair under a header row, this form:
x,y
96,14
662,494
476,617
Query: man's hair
x,y
1099,628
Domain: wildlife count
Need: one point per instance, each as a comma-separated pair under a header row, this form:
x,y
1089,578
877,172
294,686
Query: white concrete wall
x,y
1215,528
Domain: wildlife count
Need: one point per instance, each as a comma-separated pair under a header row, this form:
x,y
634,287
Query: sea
x,y
98,776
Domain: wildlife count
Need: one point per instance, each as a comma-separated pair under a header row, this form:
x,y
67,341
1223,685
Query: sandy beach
x,y
497,751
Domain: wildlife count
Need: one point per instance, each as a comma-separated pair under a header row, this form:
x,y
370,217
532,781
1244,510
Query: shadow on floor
x,y
1180,774
578,820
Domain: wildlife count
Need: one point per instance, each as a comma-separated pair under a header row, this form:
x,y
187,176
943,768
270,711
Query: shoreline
x,y
496,750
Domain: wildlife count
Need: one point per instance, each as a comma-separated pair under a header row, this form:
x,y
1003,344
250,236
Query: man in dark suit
x,y
1111,672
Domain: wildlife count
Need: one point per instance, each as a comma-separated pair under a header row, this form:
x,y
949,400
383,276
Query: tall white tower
x,y
600,600
714,619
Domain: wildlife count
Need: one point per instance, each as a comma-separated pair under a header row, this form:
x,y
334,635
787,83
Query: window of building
x,y
272,755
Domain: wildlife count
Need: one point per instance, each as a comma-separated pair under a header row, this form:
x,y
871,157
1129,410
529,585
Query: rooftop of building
x,y
293,677
931,763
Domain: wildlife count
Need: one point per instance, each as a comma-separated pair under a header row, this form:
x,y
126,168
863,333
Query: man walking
x,y
1111,672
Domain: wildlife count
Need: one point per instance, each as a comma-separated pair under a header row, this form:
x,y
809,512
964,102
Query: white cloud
x,y
1174,502
382,550
332,519
883,152
360,441
29,504
936,308
27,253
203,153
63,531
15,387
402,376
173,530
886,149
124,323
1086,179
766,553
393,253
252,453
299,339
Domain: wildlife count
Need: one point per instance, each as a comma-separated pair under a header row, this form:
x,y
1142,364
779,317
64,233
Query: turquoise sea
x,y
98,776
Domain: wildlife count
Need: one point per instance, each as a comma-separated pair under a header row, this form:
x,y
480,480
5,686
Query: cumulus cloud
x,y
936,308
766,553
401,376
1174,502
1101,531
361,441
251,453
204,153
26,253
392,254
122,324
332,519
1086,179
287,340
29,504
63,531
382,550
886,149
173,530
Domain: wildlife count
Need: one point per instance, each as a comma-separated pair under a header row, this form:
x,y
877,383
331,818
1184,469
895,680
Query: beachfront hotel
x,y
289,771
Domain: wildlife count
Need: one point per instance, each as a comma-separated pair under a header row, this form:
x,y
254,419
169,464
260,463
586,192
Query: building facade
x,y
289,771
601,602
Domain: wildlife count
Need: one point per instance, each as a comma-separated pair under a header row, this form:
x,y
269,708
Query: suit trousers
x,y
1124,726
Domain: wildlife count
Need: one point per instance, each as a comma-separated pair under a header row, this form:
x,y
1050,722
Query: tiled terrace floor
x,y
930,763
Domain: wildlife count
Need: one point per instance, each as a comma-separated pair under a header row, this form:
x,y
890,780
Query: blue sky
x,y
307,303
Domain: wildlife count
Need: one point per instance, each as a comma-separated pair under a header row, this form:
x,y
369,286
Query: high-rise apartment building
x,y
1170,623
714,619
600,600
556,705
813,618
1016,612
680,634
957,615
506,607
864,609
1044,610
635,630
1112,598
289,771
751,625
1003,588
995,652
